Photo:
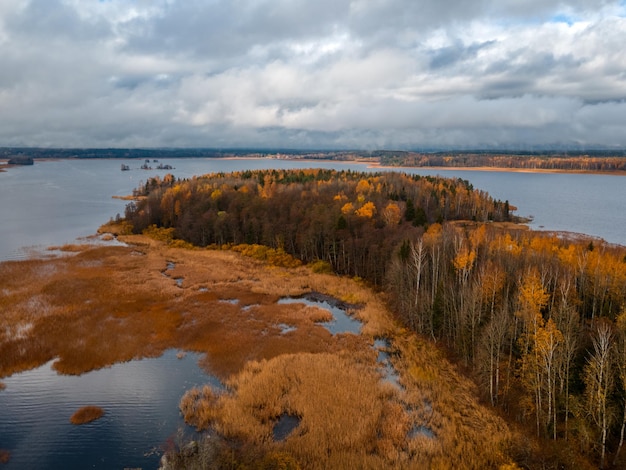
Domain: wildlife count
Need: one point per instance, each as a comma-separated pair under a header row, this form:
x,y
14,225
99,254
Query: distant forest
x,y
591,160
156,153
538,320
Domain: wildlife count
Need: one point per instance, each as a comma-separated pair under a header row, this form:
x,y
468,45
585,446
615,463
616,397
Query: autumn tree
x,y
599,382
621,373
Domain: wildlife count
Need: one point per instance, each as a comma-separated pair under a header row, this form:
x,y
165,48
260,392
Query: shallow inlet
x,y
421,431
140,399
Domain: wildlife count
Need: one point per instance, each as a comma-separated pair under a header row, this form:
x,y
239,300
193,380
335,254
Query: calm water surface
x,y
581,203
140,400
55,202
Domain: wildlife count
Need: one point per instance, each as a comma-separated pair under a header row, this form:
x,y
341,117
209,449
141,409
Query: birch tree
x,y
599,382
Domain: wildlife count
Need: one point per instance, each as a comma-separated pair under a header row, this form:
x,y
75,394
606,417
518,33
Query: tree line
x,y
538,319
585,162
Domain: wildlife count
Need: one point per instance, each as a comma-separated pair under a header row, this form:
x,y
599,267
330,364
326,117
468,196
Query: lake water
x,y
140,400
583,203
54,202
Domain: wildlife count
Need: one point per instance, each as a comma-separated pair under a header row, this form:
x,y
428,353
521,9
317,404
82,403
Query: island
x,y
20,160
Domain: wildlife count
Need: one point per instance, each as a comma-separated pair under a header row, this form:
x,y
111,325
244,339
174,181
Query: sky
x,y
313,74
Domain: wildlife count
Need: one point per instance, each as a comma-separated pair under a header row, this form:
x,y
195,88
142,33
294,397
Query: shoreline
x,y
370,165
500,169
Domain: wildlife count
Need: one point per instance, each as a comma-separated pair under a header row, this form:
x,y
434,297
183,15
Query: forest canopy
x,y
352,220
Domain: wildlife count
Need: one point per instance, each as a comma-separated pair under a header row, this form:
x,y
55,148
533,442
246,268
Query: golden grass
x,y
87,414
337,423
108,304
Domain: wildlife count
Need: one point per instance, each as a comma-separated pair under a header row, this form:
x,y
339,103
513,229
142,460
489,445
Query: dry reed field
x,y
105,304
87,414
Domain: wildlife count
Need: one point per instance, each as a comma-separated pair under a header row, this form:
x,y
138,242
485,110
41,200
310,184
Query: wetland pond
x,y
341,322
140,399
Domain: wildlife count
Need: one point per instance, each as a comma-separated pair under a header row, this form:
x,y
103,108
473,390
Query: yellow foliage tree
x,y
368,210
392,214
363,186
348,208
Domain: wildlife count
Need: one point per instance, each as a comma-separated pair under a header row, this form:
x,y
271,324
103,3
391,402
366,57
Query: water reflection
x,y
140,399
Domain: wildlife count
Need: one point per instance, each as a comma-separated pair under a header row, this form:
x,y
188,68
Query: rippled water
x,y
140,399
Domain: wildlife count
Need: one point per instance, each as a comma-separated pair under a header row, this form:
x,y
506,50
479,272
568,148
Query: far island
x,y
21,160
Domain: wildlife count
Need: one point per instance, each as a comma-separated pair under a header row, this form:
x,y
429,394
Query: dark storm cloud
x,y
296,73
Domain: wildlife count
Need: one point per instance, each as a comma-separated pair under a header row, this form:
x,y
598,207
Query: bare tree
x,y
621,370
599,381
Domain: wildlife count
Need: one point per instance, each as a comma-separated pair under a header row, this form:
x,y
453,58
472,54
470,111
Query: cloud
x,y
295,73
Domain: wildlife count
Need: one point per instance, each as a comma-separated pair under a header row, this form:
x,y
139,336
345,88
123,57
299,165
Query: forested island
x,y
536,319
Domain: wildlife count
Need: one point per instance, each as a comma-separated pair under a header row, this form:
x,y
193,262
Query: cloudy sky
x,y
365,74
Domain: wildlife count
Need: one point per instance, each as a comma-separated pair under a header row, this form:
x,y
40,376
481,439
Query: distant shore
x,y
501,169
372,165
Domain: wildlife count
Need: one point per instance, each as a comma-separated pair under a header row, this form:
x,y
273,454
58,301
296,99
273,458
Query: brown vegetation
x,y
87,414
119,303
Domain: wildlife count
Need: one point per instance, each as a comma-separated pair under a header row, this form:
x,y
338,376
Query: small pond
x,y
421,430
341,323
140,399
285,425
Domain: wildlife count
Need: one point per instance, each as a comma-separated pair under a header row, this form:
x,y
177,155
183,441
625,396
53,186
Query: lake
x,y
56,202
